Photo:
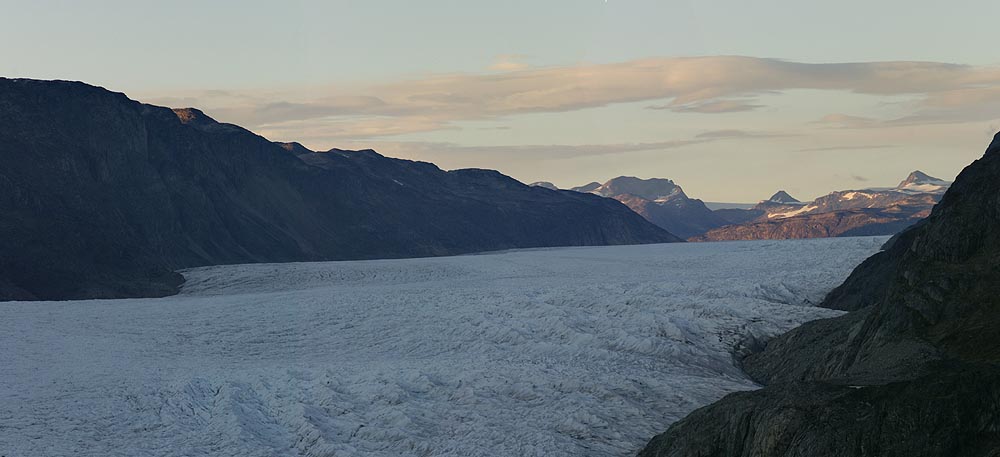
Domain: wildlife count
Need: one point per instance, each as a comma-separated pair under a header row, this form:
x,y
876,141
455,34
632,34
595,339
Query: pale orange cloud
x,y
718,84
509,62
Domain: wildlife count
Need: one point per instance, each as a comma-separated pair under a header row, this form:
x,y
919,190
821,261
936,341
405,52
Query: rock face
x,y
661,202
103,196
883,211
952,412
913,369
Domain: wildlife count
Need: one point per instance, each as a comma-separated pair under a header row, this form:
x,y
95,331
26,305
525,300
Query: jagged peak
x,y
783,197
917,177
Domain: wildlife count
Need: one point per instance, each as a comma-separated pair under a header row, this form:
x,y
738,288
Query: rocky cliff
x,y
103,196
913,369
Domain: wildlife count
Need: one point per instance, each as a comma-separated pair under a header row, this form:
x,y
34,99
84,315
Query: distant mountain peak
x,y
920,182
544,184
654,189
783,197
587,188
919,177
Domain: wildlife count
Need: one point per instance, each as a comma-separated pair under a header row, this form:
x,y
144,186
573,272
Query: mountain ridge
x,y
871,211
106,197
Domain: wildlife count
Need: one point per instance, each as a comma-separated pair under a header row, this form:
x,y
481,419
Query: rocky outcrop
x,y
103,196
914,369
951,412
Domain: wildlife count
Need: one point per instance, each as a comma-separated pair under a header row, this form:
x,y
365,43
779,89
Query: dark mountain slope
x,y
103,196
913,370
850,222
933,293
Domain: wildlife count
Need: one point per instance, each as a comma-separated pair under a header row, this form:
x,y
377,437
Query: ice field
x,y
569,351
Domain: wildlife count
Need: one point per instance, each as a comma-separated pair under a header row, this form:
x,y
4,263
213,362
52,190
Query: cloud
x,y
728,133
548,151
509,62
710,107
861,147
735,133
840,120
336,129
859,178
717,84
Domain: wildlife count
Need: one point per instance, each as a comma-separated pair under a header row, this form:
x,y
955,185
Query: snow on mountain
x,y
803,209
919,182
544,184
574,351
918,190
872,211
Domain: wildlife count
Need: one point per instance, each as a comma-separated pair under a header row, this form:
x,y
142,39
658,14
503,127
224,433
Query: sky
x,y
731,99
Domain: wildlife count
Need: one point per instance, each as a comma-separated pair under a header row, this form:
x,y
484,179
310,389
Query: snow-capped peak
x,y
920,182
918,177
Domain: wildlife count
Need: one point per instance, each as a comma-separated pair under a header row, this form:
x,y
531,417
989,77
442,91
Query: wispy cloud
x,y
857,147
709,107
841,120
549,151
509,62
722,84
736,133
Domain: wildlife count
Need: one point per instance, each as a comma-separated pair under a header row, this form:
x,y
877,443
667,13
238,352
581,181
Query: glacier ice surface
x,y
568,351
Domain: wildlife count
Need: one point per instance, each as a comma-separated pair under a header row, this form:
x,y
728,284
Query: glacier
x,y
563,351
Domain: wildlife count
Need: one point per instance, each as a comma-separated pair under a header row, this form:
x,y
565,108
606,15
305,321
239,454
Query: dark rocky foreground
x,y
912,370
103,196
